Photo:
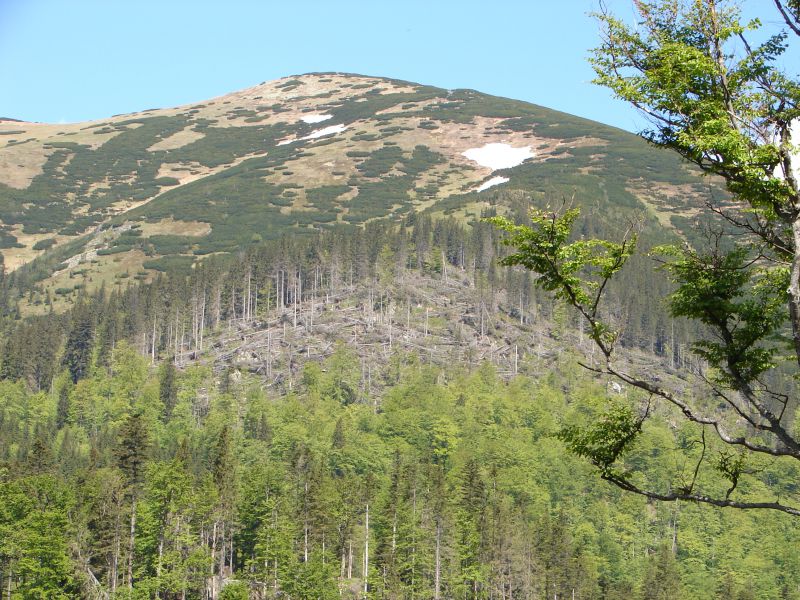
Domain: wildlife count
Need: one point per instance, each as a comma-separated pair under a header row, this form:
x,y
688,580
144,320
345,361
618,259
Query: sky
x,y
76,60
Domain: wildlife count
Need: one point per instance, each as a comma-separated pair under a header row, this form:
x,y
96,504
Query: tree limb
x,y
698,498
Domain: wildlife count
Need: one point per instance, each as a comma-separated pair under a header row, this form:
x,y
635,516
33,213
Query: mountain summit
x,y
158,188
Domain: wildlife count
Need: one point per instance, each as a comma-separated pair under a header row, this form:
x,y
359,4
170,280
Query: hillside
x,y
314,402
145,192
262,347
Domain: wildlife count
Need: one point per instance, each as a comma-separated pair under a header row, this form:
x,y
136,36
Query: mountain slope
x,y
148,191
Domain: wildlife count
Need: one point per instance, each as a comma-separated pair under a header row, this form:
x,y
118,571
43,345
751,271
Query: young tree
x,y
131,454
724,103
78,348
167,389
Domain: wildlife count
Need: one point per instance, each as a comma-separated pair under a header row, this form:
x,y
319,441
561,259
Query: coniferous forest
x,y
146,455
356,338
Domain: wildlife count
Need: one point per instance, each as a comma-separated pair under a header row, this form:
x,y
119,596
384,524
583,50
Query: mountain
x,y
145,192
338,392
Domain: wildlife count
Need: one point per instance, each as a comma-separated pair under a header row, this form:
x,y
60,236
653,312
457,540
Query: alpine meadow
x,y
338,336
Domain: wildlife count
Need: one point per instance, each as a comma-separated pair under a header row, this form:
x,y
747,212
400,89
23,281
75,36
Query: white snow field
x,y
310,119
499,156
325,131
318,133
492,182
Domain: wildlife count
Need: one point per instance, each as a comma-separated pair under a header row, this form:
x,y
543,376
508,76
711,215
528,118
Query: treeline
x,y
173,316
145,482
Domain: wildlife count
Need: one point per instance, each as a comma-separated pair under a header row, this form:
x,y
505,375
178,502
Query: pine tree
x,y
662,580
167,389
131,454
78,349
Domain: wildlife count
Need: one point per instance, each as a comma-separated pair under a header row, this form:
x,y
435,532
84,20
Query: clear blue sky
x,y
75,60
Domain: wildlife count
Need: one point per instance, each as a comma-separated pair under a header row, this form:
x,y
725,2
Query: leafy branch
x,y
735,295
577,272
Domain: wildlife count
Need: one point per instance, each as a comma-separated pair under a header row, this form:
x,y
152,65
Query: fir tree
x,y
168,389
662,580
78,349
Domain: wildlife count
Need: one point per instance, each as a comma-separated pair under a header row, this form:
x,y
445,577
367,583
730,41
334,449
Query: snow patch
x,y
499,156
325,131
311,119
492,182
318,133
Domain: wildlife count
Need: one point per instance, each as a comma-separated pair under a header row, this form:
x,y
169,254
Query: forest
x,y
142,459
143,482
531,395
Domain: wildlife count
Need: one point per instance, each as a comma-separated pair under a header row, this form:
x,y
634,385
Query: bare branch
x,y
791,22
791,448
699,462
698,498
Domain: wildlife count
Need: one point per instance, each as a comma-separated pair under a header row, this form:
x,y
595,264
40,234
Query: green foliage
x,y
174,264
576,272
34,527
681,67
390,193
8,239
706,99
324,198
606,439
44,244
235,591
662,581
132,448
167,389
729,112
381,161
463,458
741,300
170,244
78,350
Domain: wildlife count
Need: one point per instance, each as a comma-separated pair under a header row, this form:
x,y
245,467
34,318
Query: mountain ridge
x,y
300,154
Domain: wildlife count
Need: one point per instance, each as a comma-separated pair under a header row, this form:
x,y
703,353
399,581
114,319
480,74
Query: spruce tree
x,y
167,389
131,454
78,349
662,580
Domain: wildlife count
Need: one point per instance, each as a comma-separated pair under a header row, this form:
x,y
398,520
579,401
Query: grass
x,y
400,153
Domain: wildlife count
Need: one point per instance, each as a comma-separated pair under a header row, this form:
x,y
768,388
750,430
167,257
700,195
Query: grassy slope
x,y
239,165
